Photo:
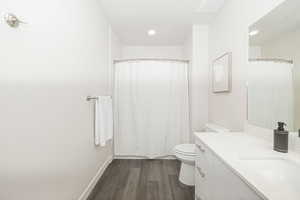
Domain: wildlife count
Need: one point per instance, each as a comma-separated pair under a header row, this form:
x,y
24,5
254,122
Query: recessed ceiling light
x,y
151,32
254,32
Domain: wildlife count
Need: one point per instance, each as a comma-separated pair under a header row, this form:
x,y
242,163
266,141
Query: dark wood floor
x,y
142,180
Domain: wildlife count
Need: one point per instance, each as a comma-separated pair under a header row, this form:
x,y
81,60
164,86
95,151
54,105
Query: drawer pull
x,y
200,172
200,148
198,198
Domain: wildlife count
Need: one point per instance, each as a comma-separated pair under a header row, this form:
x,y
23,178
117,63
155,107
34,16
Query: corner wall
x,y
48,67
229,33
196,50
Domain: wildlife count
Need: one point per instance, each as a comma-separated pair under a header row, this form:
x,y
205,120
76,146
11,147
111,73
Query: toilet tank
x,y
215,128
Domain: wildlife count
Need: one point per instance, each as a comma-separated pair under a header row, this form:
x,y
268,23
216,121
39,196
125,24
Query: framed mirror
x,y
273,74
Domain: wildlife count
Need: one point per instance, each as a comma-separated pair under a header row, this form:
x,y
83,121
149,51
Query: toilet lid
x,y
187,149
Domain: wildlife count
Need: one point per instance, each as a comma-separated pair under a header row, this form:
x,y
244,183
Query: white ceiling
x,y
172,19
282,20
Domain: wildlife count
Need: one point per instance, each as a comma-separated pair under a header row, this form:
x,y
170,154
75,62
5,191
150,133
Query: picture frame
x,y
221,72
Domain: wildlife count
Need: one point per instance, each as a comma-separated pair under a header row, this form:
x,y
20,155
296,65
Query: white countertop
x,y
273,175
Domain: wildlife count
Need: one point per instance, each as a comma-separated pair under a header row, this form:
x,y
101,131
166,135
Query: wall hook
x,y
12,20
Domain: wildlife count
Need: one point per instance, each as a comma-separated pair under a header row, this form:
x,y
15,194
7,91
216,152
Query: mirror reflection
x,y
273,78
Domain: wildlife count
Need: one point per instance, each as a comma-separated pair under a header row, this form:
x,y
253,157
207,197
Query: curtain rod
x,y
151,59
272,59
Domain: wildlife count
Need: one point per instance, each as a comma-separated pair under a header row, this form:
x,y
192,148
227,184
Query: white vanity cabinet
x,y
216,181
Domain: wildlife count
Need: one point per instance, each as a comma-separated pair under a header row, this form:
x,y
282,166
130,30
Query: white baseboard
x,y
95,179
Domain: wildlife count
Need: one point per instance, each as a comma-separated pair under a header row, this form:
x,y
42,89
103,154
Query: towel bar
x,y
89,98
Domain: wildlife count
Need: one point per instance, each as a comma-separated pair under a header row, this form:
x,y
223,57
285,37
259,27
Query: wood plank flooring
x,y
142,180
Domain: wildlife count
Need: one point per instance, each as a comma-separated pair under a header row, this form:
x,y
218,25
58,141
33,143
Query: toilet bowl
x,y
186,154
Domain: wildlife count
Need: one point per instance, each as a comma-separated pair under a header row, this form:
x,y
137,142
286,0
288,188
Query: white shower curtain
x,y
270,94
151,107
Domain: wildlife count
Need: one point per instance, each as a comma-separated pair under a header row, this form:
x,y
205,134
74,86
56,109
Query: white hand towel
x,y
103,120
96,123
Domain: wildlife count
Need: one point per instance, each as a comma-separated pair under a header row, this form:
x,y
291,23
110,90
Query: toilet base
x,y
187,174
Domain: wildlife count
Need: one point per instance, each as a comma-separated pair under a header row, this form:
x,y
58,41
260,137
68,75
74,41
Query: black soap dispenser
x,y
281,138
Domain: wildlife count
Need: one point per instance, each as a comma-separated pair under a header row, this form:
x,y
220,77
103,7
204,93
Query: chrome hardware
x,y
200,172
12,20
200,148
89,98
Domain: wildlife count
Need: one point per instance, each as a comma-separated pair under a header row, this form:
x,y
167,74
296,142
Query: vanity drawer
x,y
214,180
201,156
200,185
203,173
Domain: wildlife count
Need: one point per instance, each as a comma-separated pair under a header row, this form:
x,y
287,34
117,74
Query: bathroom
x,y
189,94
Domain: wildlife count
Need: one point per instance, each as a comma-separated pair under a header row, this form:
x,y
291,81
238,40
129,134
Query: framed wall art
x,y
222,73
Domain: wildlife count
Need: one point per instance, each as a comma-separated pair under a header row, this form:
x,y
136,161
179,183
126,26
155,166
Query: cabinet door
x,y
204,173
214,180
228,185
201,156
224,187
200,186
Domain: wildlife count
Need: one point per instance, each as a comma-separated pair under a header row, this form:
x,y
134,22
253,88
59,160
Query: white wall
x,y
171,52
188,46
254,52
288,47
200,74
196,50
115,53
188,54
48,67
116,46
229,33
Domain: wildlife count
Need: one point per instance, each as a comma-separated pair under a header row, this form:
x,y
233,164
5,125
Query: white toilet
x,y
186,154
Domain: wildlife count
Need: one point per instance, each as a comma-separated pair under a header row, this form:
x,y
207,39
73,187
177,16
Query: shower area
x,y
151,107
266,77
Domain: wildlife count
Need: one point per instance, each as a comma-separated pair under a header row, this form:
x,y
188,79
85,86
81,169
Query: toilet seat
x,y
186,154
185,149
